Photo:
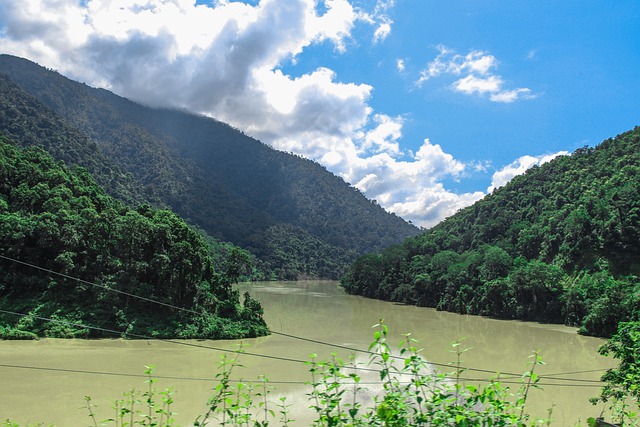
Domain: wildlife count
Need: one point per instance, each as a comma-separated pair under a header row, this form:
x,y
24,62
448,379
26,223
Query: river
x,y
46,380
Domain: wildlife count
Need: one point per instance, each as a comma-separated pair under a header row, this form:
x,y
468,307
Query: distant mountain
x,y
560,243
232,186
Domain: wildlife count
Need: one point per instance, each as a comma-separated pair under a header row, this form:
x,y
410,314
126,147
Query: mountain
x,y
232,186
53,218
560,243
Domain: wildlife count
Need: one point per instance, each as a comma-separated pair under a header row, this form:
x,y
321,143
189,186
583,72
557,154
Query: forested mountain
x,y
560,243
60,220
234,187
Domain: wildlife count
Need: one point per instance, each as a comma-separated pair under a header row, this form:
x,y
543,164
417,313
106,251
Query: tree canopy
x,y
56,219
560,243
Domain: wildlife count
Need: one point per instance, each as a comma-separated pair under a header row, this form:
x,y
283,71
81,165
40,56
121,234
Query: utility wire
x,y
267,381
241,352
145,337
184,343
286,359
577,372
66,276
393,356
168,305
154,376
251,354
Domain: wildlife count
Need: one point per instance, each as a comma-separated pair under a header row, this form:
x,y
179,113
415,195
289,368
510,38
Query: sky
x,y
425,106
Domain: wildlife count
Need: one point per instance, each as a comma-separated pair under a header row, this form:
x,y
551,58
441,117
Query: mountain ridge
x,y
232,186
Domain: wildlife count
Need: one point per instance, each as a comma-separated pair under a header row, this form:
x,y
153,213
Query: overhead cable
x,y
272,332
268,381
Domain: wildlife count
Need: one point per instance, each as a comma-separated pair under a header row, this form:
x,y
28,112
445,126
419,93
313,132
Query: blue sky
x,y
423,105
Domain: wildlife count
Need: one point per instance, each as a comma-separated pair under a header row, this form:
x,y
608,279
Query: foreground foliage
x,y
60,220
622,384
560,244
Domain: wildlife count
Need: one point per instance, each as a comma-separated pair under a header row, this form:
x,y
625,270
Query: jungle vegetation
x,y
56,219
559,244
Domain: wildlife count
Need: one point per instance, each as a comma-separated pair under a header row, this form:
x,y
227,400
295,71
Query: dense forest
x,y
60,219
559,244
231,186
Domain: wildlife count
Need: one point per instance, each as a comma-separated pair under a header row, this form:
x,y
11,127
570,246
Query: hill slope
x,y
232,186
59,219
560,243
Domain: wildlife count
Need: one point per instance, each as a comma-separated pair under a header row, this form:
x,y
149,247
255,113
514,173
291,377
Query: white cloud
x,y
335,24
511,95
472,84
379,17
383,31
431,205
478,68
479,62
449,62
384,137
225,60
520,166
411,188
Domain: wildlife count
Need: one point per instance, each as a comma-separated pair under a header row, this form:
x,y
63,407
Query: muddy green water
x,y
318,311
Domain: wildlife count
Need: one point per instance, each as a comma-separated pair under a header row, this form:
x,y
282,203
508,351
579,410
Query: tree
x,y
622,388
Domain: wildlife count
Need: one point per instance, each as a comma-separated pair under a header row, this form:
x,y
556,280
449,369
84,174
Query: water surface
x,y
318,311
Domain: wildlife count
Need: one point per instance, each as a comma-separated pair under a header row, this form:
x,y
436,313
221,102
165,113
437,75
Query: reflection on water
x,y
318,311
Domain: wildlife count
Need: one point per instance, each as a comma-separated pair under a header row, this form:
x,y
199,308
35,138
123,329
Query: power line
x,y
286,359
156,302
577,372
508,374
114,374
267,381
251,354
184,343
66,276
145,337
122,374
579,380
373,354
241,352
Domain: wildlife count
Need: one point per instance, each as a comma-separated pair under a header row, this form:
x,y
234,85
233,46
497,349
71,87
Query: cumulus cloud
x,y
412,188
225,60
478,68
520,166
384,137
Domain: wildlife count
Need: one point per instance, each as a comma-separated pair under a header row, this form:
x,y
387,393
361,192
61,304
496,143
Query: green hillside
x,y
234,187
59,219
560,243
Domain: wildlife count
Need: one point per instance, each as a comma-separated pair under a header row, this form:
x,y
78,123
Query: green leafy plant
x,y
621,391
148,408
